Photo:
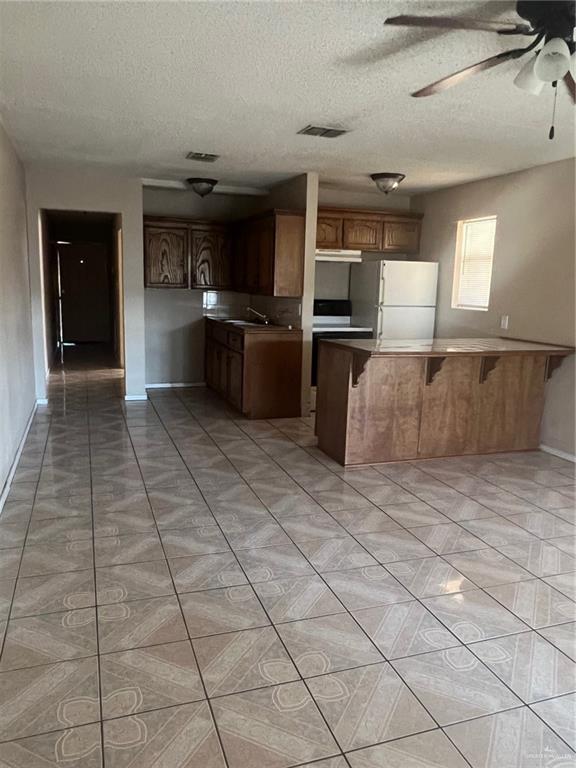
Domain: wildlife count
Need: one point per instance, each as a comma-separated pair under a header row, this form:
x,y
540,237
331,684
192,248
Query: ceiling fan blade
x,y
571,85
447,22
456,77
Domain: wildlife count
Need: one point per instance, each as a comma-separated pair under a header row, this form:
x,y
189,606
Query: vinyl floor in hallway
x,y
182,588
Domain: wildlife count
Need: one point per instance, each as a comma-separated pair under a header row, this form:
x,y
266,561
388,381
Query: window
x,y
473,263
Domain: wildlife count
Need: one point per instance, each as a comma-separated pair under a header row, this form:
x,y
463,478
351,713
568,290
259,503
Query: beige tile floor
x,y
182,588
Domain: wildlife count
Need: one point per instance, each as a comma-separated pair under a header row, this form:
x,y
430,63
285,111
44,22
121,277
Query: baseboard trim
x,y
135,397
176,385
560,454
14,465
42,401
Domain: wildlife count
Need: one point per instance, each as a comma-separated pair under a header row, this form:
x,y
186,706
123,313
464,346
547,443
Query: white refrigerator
x,y
396,298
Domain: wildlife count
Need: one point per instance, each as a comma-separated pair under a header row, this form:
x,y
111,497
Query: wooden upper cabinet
x,y
329,232
401,236
362,234
165,257
368,230
211,259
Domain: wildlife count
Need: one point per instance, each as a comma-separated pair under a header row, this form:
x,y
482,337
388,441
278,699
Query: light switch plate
x,y
504,322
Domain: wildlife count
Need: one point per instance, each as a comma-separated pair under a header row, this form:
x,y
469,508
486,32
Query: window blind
x,y
473,265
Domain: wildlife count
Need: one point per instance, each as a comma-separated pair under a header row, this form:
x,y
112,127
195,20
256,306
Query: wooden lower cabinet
x,y
258,371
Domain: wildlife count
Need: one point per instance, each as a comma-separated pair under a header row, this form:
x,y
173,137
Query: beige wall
x,y
86,189
17,396
533,271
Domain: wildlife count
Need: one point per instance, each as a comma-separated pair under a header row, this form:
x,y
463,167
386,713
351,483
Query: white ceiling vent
x,y
202,157
322,131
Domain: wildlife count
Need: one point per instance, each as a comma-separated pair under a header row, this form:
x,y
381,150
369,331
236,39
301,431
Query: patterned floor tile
x,y
391,546
6,594
60,529
444,539
272,728
366,587
368,705
426,750
215,611
176,737
133,581
474,615
404,629
535,602
543,524
312,527
149,678
43,559
563,636
49,638
75,748
487,567
48,698
429,577
272,563
53,593
193,541
327,644
560,715
565,583
336,554
206,572
541,558
132,548
241,661
454,685
461,508
190,516
12,535
123,626
297,598
414,515
255,534
510,740
529,665
123,523
365,520
497,531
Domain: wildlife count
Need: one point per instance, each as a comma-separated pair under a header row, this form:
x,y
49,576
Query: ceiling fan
x,y
550,22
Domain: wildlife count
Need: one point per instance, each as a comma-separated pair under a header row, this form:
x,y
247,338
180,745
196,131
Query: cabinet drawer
x,y
236,341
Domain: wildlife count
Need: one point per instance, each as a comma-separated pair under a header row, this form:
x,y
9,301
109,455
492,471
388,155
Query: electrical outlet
x,y
504,322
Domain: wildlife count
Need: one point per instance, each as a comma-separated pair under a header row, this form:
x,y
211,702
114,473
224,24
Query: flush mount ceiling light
x,y
387,182
201,186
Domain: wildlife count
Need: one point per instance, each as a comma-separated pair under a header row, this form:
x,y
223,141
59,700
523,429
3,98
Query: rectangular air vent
x,y
322,131
202,157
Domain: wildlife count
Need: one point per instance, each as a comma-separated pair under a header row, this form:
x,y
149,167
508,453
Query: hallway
x,y
182,588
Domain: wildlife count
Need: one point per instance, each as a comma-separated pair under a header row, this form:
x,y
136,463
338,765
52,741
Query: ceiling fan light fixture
x,y
202,186
526,80
553,61
387,182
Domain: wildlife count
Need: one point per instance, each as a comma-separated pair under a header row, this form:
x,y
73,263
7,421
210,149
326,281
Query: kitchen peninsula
x,y
393,400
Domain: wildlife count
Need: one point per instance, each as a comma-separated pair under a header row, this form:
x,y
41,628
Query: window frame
x,y
458,260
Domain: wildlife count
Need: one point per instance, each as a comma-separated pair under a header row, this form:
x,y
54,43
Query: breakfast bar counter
x,y
401,399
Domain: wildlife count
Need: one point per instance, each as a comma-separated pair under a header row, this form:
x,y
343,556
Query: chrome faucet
x,y
264,318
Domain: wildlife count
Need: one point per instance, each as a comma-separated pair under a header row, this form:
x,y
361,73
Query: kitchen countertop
x,y
446,347
247,326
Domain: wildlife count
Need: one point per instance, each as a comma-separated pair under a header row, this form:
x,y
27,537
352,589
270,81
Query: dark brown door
x,y
85,292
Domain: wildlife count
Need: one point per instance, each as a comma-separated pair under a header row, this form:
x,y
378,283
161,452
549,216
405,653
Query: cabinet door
x,y
362,234
220,370
235,369
329,232
209,361
165,257
266,256
210,260
401,236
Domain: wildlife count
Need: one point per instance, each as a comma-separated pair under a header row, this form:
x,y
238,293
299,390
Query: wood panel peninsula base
x,y
397,400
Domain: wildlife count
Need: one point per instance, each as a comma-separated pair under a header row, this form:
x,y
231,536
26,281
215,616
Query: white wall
x,y
338,197
87,189
332,280
533,271
17,397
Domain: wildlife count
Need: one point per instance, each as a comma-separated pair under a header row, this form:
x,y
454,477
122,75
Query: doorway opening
x,y
83,289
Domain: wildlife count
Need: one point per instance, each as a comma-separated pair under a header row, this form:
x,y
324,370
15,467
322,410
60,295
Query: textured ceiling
x,y
136,85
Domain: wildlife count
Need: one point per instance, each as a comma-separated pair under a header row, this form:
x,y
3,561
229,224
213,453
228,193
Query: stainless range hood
x,y
338,254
